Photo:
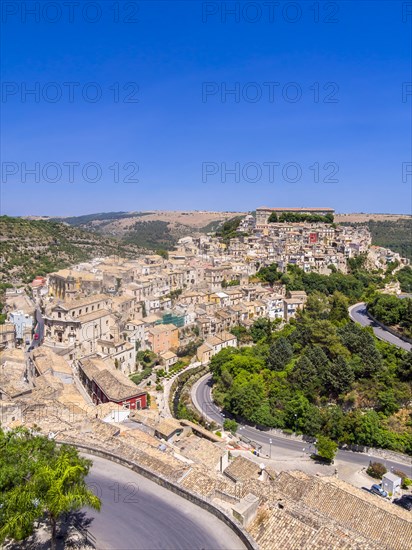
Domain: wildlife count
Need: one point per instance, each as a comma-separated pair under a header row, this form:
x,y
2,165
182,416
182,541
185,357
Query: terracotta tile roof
x,y
93,315
113,383
242,469
200,450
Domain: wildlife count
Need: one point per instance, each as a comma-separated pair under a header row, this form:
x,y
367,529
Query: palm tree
x,y
57,486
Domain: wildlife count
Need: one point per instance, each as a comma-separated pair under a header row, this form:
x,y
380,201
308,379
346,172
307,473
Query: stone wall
x,y
202,502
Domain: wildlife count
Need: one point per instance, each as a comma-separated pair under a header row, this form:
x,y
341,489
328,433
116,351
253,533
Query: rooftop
x,y
242,469
113,383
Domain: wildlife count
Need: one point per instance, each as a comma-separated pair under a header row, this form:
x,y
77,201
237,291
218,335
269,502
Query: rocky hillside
x,y
36,247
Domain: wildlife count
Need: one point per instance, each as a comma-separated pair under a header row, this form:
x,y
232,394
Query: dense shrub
x,y
376,470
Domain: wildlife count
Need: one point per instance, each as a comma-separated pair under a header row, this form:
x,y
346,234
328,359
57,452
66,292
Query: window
x,y
87,309
80,311
59,315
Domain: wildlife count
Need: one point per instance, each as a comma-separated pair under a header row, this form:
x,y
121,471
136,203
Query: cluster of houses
x,y
73,381
108,309
149,310
320,247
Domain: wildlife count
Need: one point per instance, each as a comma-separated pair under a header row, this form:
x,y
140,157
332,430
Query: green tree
x,y
319,360
280,353
339,377
406,317
246,394
339,307
269,274
317,306
334,423
220,359
372,360
387,309
55,485
261,329
404,276
405,368
230,425
325,335
326,448
365,428
163,253
241,333
387,402
305,377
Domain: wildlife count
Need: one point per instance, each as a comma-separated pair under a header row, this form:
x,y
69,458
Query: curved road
x,y
202,399
139,514
359,314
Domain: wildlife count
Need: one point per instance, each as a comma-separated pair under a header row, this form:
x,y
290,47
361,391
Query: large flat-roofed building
x,y
263,213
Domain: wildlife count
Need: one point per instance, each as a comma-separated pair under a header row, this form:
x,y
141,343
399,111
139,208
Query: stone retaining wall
x,y
202,502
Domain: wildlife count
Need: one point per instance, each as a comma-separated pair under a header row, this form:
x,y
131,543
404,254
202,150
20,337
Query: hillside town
x,y
89,354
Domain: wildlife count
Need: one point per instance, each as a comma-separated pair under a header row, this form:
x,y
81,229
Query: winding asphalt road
x,y
202,399
359,313
137,513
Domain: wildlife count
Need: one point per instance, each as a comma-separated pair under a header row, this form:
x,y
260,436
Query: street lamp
x,y
270,448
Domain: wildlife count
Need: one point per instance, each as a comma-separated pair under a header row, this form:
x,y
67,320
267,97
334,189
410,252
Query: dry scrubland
x,y
363,218
194,220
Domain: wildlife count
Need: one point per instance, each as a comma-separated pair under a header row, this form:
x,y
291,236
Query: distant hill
x,y
155,230
102,217
37,247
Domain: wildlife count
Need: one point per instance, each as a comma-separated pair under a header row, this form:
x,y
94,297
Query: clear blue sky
x,y
169,50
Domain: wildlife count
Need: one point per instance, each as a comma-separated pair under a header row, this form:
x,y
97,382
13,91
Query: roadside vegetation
x,y
320,375
404,277
393,312
39,481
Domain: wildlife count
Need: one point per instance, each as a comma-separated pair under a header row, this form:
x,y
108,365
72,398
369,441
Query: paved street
x,y
39,328
139,514
280,445
202,397
359,314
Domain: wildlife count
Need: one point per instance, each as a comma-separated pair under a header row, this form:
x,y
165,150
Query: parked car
x,y
405,501
377,490
36,336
